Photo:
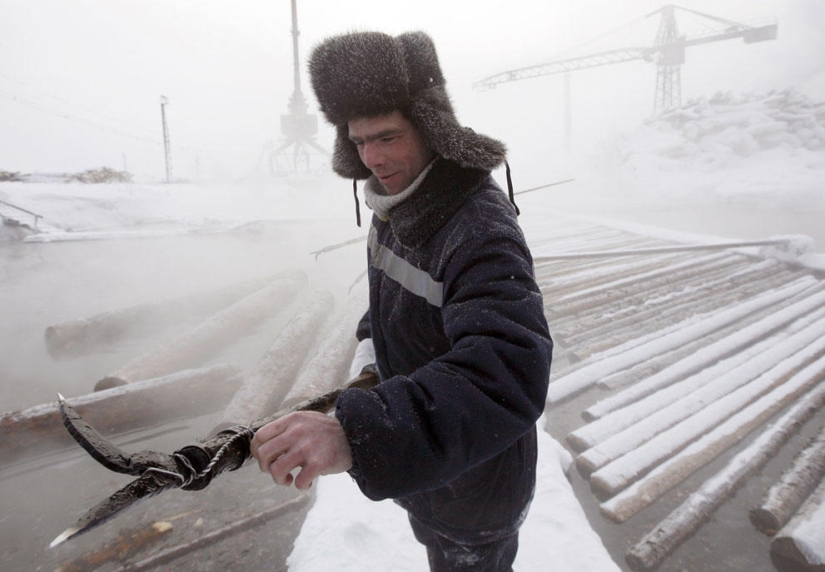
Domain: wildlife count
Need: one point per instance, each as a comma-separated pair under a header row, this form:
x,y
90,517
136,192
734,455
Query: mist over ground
x,y
80,88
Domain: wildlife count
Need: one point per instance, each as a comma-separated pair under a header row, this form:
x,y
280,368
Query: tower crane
x,y
667,52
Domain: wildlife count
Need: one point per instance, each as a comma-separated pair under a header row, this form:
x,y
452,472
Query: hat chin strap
x,y
510,188
357,202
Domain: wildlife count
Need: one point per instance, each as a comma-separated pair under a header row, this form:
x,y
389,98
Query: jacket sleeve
x,y
362,330
419,432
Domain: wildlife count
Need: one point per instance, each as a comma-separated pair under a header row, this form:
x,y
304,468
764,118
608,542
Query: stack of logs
x,y
171,380
696,351
179,379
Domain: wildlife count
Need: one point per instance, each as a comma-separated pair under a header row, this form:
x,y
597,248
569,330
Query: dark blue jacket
x,y
464,354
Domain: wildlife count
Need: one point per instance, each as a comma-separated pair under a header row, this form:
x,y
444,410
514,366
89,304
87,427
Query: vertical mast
x,y
670,58
297,102
167,151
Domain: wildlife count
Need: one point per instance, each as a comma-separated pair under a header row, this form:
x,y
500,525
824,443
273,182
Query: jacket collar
x,y
439,196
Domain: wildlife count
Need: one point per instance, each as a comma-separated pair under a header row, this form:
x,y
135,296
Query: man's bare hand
x,y
312,441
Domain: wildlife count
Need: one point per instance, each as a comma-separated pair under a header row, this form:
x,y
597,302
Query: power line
x,y
23,100
146,136
70,117
84,108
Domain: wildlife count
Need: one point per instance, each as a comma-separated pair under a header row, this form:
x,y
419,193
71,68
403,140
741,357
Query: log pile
x,y
675,360
309,354
86,335
682,362
199,344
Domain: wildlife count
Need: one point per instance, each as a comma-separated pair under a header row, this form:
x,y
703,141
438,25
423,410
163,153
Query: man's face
x,y
392,148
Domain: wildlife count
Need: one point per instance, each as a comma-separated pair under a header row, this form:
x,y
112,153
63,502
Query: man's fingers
x,y
281,467
305,478
265,445
311,442
268,431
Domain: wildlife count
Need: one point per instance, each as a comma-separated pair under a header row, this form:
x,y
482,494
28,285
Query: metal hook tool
x,y
191,468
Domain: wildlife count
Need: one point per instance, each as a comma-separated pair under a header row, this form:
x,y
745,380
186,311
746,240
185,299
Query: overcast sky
x,y
81,80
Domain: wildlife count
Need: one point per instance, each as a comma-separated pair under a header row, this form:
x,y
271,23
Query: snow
x,y
721,152
657,343
710,442
379,538
807,531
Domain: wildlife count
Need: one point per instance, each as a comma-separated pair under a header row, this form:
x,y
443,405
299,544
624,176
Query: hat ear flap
x,y
437,124
345,159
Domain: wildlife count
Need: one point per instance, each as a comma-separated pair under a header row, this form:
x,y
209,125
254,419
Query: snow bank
x,y
346,532
727,149
117,207
715,132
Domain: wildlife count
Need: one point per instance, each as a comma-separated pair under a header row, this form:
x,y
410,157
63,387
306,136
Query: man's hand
x,y
313,441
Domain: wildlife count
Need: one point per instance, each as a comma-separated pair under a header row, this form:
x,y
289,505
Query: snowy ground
x,y
358,534
696,170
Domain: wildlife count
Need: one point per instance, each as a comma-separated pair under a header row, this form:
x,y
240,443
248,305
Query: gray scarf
x,y
381,203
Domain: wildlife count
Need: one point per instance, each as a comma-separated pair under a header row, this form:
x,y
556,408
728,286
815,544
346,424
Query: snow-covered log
x,y
567,287
664,408
666,311
608,288
702,450
726,393
659,309
637,351
697,509
637,303
801,310
276,372
329,367
75,337
797,483
800,545
201,343
182,394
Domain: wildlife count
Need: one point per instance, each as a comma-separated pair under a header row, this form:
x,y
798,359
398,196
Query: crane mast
x,y
670,56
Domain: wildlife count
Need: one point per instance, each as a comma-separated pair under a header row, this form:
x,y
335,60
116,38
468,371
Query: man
x,y
455,318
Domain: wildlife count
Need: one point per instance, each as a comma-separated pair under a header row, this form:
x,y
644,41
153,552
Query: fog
x,y
80,88
80,81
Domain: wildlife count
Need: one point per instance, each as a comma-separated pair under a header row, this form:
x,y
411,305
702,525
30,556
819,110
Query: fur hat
x,y
365,74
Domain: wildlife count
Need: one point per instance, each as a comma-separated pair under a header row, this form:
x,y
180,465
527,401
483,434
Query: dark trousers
x,y
446,555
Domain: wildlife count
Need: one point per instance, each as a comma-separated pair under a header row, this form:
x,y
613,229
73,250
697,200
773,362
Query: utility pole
x,y
568,118
166,147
